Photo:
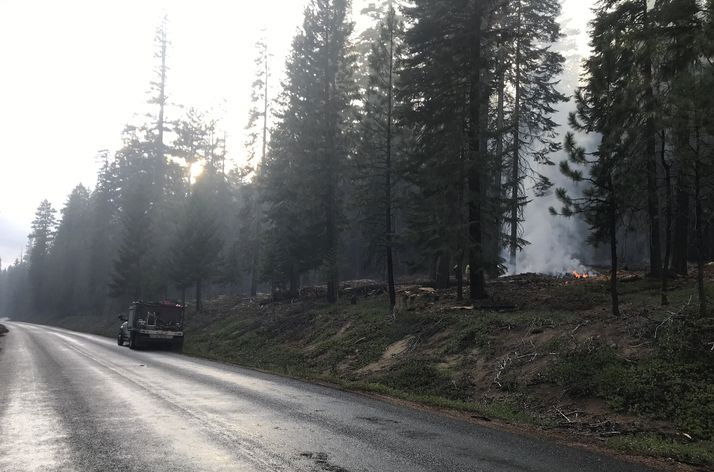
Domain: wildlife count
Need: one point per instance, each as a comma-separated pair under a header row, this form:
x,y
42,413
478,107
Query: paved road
x,y
76,402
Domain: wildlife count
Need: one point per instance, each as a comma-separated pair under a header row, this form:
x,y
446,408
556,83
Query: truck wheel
x,y
120,339
133,344
178,346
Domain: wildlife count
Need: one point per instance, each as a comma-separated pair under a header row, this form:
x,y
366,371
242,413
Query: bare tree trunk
x,y
162,90
258,207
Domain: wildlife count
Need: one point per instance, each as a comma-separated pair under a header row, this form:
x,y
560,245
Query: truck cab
x,y
152,323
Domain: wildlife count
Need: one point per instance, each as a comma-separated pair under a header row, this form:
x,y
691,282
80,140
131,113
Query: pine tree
x,y
378,146
136,265
533,75
445,87
258,127
310,145
103,229
192,143
611,180
69,258
635,24
40,245
689,61
197,242
158,85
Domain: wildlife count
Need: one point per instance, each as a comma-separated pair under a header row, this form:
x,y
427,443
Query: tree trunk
x,y
388,171
651,159
294,290
162,91
680,244
433,267
699,215
612,217
476,274
199,305
668,220
255,260
258,208
460,278
653,212
331,193
516,158
490,244
443,271
500,123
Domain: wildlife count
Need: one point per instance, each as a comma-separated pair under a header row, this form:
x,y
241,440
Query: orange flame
x,y
578,275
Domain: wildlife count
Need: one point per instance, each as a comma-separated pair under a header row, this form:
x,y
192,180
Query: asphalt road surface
x,y
76,402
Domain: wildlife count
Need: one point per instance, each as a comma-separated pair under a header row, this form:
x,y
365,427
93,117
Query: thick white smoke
x,y
557,244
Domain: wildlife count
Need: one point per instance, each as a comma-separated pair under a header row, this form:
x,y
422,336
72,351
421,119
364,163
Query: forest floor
x,y
542,354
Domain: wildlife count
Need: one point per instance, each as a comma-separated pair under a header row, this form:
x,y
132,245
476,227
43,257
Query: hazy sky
x,y
74,72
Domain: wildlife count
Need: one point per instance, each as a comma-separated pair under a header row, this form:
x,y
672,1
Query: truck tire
x,y
133,344
178,346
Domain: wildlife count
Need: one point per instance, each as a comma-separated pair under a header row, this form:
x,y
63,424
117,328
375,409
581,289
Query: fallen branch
x,y
562,414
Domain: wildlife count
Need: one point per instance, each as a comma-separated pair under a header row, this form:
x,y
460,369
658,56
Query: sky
x,y
75,72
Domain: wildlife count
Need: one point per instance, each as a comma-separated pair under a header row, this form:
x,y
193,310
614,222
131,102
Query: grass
x,y
505,411
653,445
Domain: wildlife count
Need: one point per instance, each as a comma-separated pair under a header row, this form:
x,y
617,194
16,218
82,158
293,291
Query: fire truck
x,y
152,324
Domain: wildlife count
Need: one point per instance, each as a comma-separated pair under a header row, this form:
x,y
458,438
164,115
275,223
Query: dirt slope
x,y
542,350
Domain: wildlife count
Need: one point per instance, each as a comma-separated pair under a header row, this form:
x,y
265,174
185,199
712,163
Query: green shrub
x,y
421,377
581,371
665,390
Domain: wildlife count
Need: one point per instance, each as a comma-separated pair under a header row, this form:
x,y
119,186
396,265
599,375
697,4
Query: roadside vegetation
x,y
555,358
543,352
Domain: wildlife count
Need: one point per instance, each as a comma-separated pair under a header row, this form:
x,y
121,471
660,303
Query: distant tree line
x,y
412,146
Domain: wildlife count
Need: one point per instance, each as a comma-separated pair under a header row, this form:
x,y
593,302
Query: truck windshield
x,y
160,316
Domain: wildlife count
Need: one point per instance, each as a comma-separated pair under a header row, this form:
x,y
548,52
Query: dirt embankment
x,y
542,350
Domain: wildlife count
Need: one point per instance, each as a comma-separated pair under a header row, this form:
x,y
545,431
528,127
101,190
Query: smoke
x,y
557,244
